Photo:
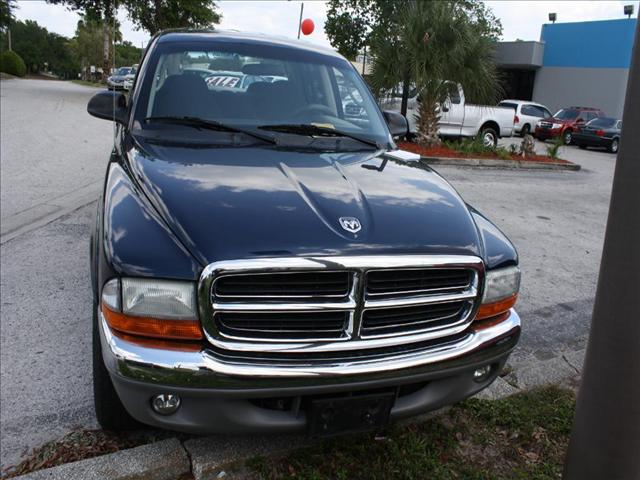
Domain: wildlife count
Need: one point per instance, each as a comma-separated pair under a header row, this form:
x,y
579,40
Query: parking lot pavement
x,y
52,152
556,220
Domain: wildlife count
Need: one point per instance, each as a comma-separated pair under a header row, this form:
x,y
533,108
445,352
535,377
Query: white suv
x,y
527,115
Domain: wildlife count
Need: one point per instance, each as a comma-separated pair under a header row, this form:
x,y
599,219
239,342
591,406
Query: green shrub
x,y
502,153
11,62
552,151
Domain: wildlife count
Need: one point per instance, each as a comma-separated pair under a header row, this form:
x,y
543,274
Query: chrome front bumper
x,y
206,369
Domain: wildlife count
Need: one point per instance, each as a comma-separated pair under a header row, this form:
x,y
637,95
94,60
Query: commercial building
x,y
584,63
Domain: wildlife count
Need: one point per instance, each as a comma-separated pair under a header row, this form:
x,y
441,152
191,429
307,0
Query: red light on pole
x,y
307,26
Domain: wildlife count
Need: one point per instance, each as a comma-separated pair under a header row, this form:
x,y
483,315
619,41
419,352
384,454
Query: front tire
x,y
489,137
567,137
110,411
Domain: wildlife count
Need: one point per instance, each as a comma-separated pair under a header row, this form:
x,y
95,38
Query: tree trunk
x,y
106,59
428,118
405,92
9,39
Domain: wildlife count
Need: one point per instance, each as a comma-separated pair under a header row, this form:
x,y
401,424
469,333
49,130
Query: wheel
x,y
582,146
110,412
613,147
489,137
526,129
567,137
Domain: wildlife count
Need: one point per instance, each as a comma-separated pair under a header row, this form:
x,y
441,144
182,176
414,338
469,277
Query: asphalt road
x,y
556,219
53,153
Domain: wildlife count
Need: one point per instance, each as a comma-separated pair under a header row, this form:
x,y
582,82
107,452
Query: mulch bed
x,y
446,152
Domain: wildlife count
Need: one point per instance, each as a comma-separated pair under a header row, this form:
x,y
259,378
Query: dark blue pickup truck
x,y
265,259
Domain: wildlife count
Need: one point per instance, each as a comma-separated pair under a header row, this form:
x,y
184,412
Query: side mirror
x,y
109,106
397,123
580,120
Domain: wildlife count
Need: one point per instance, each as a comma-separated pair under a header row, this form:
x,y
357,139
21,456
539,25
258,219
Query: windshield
x,y
123,71
566,114
602,122
251,86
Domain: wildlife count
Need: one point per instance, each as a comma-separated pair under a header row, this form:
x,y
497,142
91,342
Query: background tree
x,y
127,54
438,45
354,24
98,10
6,18
156,15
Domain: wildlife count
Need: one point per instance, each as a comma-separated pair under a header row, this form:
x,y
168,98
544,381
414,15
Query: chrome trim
x,y
355,302
205,369
277,297
347,333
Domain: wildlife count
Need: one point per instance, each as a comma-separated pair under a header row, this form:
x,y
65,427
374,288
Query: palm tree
x,y
438,45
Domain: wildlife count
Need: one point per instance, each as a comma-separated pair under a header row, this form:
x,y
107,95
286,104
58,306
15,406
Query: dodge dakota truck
x,y
261,263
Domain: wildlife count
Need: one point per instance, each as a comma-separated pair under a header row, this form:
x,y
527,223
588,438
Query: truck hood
x,y
236,203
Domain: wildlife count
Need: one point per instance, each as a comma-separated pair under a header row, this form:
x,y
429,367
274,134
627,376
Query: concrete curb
x,y
164,460
511,164
206,458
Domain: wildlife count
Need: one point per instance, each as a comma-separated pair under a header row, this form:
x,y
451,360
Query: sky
x,y
520,19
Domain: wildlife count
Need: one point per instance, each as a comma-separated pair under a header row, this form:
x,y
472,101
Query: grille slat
x,y
392,321
284,285
415,281
278,325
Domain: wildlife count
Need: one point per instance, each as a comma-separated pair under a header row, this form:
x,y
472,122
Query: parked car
x,y
129,78
116,81
599,132
269,265
527,115
457,118
565,122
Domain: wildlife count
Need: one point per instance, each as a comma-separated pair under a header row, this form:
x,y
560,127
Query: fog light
x,y
482,373
165,403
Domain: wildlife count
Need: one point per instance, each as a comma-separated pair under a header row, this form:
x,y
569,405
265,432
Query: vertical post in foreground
x,y
605,441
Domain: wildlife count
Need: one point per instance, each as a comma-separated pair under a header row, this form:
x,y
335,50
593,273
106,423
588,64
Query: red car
x,y
565,122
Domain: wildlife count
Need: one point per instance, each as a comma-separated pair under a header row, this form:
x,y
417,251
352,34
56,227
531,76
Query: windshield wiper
x,y
317,130
199,123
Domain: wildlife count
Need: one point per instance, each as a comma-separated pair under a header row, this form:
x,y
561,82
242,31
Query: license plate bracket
x,y
333,416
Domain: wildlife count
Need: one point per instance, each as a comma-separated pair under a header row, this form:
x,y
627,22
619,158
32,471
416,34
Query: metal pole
x,y
364,60
300,21
605,441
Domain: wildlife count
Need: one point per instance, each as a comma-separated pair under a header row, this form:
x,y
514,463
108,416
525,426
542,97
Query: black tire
x,y
582,146
489,133
567,137
614,145
110,412
526,129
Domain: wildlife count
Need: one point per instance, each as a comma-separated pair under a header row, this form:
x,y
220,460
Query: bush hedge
x,y
11,62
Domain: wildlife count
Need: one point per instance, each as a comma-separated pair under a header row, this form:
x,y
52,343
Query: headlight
x,y
152,308
556,125
501,288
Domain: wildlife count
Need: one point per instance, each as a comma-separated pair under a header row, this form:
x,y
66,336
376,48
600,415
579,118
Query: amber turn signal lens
x,y
153,327
489,310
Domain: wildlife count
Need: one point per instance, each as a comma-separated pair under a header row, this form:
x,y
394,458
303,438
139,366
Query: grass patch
x,y
521,437
88,84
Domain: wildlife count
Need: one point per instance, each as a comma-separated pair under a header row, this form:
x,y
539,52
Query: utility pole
x,y
300,21
605,440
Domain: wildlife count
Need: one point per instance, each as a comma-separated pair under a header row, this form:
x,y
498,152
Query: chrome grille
x,y
296,325
417,281
401,320
283,285
314,305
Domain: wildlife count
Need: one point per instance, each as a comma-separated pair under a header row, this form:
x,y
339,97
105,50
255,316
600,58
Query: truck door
x,y
452,113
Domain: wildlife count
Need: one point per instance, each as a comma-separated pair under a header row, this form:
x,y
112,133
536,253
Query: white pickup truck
x,y
458,118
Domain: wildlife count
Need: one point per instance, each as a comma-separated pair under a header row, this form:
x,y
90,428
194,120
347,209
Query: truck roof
x,y
191,35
